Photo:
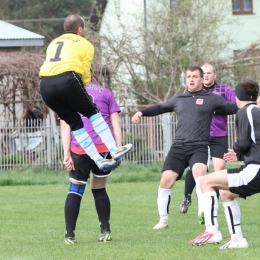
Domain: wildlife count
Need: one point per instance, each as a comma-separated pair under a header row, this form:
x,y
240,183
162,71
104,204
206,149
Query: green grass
x,y
32,225
46,176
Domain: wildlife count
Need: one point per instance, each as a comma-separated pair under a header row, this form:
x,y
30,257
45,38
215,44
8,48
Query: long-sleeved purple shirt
x,y
218,125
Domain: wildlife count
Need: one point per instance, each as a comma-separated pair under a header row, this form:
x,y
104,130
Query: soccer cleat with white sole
x,y
206,238
122,150
161,224
106,164
232,245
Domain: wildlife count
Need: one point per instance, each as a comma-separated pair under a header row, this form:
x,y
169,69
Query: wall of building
x,y
244,28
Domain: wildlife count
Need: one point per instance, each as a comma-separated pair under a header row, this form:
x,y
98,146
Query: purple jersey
x,y
219,122
107,105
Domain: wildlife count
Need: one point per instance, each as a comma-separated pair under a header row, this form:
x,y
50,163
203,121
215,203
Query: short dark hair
x,y
249,86
73,22
194,68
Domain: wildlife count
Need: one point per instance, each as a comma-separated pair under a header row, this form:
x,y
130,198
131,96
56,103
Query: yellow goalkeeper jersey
x,y
69,52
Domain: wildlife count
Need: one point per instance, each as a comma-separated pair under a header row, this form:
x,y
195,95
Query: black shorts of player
x,y
244,181
84,165
180,157
65,94
218,146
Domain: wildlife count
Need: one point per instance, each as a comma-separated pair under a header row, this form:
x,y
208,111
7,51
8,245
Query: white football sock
x,y
163,202
233,215
199,194
210,202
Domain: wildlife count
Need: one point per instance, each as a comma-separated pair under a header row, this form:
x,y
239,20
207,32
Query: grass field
x,y
32,225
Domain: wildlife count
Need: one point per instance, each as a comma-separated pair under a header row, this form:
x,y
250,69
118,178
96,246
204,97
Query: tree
x,y
147,57
19,71
45,13
147,50
242,64
19,82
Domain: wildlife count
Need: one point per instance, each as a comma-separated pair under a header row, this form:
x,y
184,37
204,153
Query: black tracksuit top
x,y
194,112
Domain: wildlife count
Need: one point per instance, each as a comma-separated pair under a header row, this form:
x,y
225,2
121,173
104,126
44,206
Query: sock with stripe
x,y
210,204
233,215
163,202
101,128
87,144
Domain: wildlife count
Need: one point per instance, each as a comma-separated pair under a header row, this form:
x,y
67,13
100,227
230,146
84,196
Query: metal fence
x,y
38,142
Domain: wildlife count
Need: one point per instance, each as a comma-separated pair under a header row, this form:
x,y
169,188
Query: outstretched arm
x,y
154,110
227,109
136,117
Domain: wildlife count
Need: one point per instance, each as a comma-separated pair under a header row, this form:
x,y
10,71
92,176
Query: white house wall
x,y
121,18
244,28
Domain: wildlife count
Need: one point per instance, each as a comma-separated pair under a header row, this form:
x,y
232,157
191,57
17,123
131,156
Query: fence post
x,y
48,133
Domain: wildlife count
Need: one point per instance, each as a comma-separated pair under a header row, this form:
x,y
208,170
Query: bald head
x,y
209,66
209,74
73,22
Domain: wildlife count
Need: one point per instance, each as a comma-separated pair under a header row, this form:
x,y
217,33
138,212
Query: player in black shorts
x,y
81,165
218,142
63,75
195,109
233,183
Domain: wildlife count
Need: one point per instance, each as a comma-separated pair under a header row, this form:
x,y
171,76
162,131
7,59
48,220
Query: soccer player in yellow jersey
x,y
63,75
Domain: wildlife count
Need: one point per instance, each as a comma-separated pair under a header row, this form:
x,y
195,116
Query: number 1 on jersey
x,y
58,51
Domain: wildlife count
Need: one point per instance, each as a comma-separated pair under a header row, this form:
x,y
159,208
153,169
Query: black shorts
x,y
218,146
66,95
180,157
84,165
244,181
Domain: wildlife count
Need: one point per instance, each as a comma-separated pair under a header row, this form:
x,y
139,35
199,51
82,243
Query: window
x,y
242,6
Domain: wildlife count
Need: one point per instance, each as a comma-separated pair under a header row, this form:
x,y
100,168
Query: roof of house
x,y
14,36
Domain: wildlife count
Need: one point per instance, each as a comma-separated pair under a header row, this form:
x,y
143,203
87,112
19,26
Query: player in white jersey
x,y
234,183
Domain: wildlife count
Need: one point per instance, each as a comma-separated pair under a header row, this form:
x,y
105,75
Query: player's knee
x,y
76,189
226,195
76,124
206,183
98,182
168,179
